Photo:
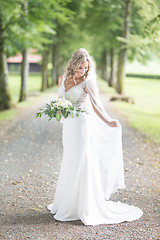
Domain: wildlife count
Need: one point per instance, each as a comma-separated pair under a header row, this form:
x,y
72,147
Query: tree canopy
x,y
58,27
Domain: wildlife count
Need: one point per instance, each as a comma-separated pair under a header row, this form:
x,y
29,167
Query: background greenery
x,y
145,113
33,96
112,32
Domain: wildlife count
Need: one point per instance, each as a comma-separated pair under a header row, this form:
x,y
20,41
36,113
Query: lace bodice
x,y
76,94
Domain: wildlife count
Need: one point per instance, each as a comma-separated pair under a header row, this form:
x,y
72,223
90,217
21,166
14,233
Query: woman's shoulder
x,y
60,80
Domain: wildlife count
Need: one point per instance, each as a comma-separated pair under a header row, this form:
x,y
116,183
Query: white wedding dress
x,y
92,167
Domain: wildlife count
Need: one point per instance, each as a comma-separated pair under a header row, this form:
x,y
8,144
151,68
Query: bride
x,y
92,165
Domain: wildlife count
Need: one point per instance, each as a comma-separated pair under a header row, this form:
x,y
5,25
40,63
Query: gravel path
x,y
31,153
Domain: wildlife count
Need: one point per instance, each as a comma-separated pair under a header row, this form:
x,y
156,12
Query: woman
x,y
92,166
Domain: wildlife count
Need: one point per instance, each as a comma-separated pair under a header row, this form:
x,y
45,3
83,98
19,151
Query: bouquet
x,y
60,108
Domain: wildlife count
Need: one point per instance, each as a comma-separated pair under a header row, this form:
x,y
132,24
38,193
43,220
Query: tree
x,y
58,15
24,65
24,75
104,26
25,24
5,99
9,13
104,65
45,58
123,49
69,36
140,42
144,30
55,64
112,78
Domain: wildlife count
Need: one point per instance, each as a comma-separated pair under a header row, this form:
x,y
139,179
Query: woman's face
x,y
82,69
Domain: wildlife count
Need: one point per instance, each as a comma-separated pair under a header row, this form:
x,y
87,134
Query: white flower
x,y
62,102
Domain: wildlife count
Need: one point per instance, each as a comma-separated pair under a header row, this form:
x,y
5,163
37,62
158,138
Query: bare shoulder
x,y
60,80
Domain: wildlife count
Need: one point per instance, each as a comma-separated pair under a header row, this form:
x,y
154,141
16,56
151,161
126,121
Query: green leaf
x,y
58,117
65,114
39,114
72,115
54,114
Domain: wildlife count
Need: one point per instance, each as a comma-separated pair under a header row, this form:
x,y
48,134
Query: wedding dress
x,y
92,166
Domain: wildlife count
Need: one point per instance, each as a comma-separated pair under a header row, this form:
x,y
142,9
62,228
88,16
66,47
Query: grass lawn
x,y
34,84
145,113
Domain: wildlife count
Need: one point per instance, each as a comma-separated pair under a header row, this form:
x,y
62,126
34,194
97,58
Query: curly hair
x,y
78,57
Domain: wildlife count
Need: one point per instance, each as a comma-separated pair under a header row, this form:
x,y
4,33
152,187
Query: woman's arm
x,y
110,123
96,110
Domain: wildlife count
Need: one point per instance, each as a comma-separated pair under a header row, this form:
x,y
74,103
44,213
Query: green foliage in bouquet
x,y
59,108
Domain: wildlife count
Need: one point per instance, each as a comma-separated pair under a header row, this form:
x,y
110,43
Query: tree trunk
x,y
55,70
113,67
104,65
48,85
123,50
24,65
5,99
45,59
24,75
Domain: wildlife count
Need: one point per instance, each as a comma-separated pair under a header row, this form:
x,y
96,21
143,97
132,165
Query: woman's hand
x,y
113,124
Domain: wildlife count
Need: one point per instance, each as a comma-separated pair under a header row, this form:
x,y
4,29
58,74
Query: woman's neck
x,y
80,78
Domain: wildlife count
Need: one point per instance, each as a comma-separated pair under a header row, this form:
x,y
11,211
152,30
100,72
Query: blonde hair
x,y
78,57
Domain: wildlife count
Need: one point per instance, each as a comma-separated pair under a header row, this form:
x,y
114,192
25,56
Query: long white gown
x,y
92,167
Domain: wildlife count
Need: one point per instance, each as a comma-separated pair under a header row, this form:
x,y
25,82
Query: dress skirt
x,y
91,170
